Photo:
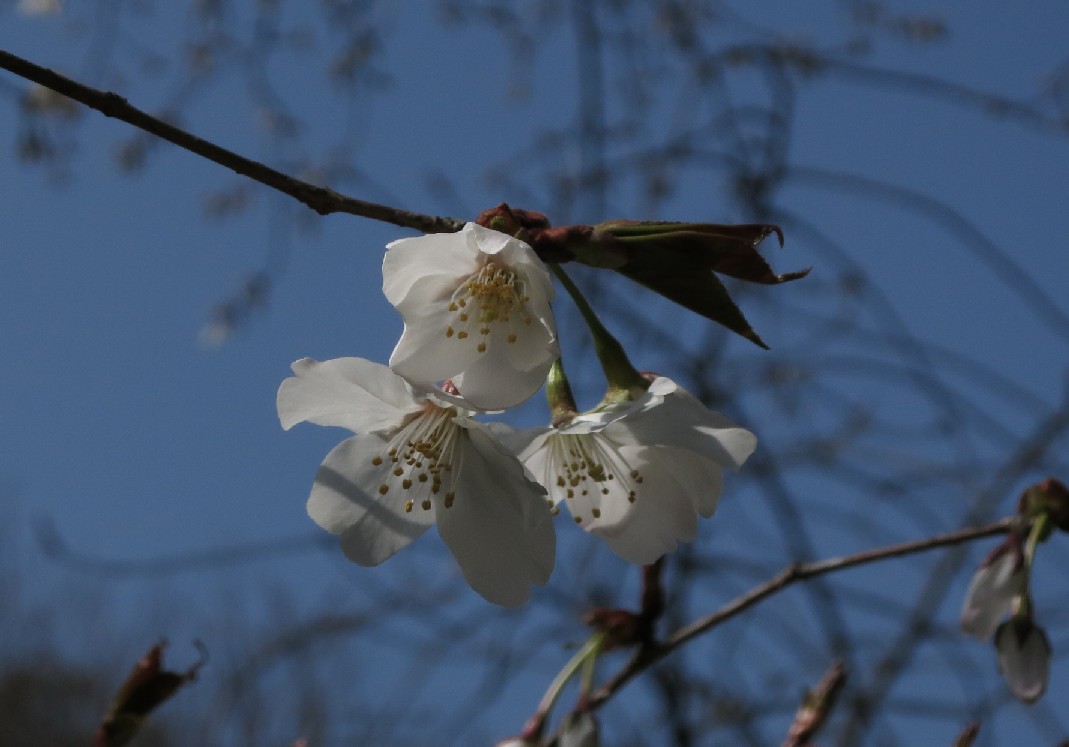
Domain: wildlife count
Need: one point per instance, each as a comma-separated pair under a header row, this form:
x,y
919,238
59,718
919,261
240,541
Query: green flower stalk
x,y
625,382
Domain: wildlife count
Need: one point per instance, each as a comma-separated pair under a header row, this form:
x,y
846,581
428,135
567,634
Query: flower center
x,y
419,459
492,297
586,470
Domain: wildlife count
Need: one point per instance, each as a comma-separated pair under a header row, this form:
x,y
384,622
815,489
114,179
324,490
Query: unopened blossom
x,y
994,589
580,730
1023,657
640,473
476,306
419,459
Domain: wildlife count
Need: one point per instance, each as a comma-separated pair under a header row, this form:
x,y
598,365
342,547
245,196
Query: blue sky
x,y
138,441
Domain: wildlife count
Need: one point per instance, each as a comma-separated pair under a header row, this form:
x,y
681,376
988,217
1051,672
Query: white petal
x,y
519,441
430,290
351,393
345,500
538,283
672,416
489,241
535,347
581,731
425,353
499,526
991,594
700,478
488,385
589,474
1024,658
663,514
449,255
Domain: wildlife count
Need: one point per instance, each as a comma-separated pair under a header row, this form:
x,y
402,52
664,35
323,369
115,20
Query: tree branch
x,y
321,199
790,575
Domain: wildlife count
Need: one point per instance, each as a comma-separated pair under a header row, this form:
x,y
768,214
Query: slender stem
x,y
559,395
816,705
618,369
790,575
1040,530
590,666
321,199
588,651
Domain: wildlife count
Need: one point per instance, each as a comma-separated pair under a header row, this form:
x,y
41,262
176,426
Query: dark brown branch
x,y
321,199
790,575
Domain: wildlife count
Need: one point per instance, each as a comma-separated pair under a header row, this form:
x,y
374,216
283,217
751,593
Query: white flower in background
x,y
1023,658
581,731
639,474
419,459
997,583
39,7
476,306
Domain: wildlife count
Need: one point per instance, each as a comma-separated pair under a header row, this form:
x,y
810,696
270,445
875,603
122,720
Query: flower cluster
x,y
1001,587
480,336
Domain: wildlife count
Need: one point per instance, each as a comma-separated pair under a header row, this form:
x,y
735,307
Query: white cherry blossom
x,y
476,306
1023,658
639,474
581,730
419,459
994,589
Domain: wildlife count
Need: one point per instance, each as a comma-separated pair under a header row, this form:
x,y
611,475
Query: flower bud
x,y
999,580
1049,497
581,730
1023,657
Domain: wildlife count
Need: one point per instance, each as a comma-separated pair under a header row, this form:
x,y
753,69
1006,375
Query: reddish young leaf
x,y
679,261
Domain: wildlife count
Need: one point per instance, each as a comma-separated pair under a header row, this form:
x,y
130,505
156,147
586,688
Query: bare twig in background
x,y
816,705
788,576
968,735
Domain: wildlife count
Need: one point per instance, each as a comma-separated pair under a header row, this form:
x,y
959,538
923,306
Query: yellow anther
x,y
376,461
408,507
384,489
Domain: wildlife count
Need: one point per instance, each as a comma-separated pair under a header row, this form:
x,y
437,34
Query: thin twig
x,y
790,575
321,199
968,735
816,706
